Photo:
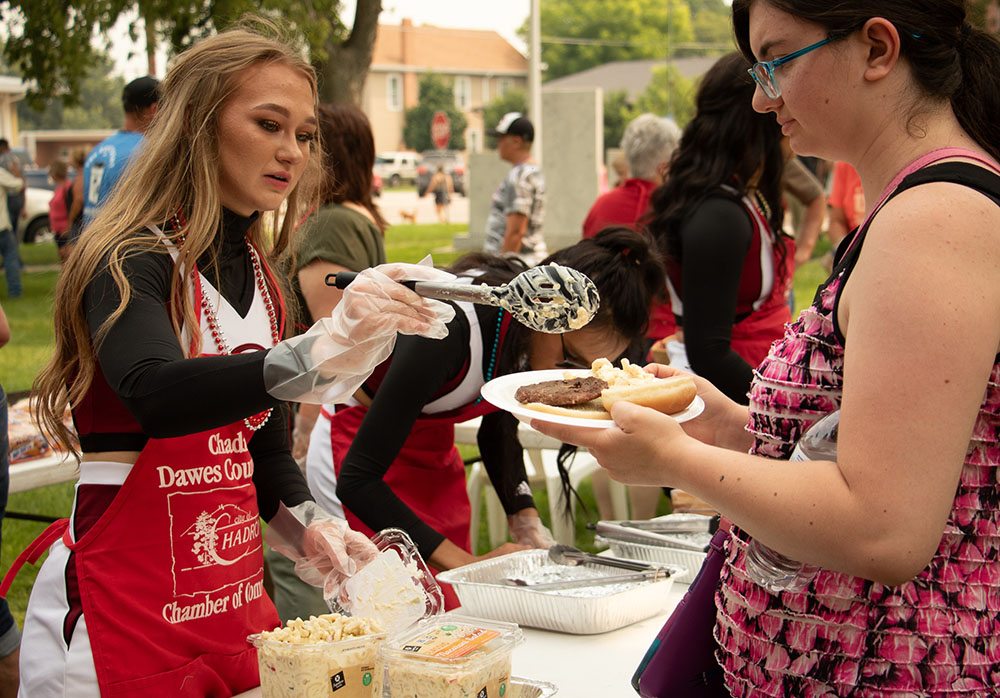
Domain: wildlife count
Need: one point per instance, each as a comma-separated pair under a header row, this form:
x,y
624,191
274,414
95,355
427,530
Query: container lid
x,y
453,640
396,589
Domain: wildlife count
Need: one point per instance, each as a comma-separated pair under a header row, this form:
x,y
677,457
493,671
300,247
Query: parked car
x,y
453,165
397,166
34,227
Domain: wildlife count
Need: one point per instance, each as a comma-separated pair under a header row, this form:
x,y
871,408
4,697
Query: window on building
x,y
486,90
463,92
504,85
394,94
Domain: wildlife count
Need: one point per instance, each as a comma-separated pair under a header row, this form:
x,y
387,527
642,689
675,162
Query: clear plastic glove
x,y
328,362
529,530
325,550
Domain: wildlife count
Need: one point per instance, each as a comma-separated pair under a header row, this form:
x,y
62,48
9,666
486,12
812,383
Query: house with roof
x,y
12,90
632,76
482,65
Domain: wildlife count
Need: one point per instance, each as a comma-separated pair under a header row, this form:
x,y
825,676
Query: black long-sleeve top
x,y
715,240
170,395
419,368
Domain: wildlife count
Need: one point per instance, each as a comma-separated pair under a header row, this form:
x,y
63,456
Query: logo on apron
x,y
208,540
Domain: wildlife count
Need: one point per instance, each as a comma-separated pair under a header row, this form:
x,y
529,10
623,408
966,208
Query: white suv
x,y
397,167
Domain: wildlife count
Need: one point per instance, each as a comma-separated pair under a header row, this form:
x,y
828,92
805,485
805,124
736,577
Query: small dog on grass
x,y
410,216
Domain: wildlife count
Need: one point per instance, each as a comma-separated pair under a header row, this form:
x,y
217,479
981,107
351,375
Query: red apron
x,y
753,335
171,574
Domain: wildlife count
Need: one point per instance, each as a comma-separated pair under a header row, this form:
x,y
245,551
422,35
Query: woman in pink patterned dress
x,y
903,338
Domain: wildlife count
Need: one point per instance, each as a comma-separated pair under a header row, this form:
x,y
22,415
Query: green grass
x,y
410,243
31,344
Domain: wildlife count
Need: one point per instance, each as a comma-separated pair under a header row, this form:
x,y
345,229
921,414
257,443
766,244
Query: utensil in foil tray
x,y
614,531
548,298
652,575
568,555
674,523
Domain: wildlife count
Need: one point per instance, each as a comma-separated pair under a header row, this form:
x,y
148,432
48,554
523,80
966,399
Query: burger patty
x,y
571,391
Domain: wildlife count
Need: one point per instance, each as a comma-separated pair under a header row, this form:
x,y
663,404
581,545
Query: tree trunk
x,y
150,47
342,77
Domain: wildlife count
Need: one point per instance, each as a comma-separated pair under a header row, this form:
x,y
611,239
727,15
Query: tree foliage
x,y
580,34
617,113
669,94
100,104
511,100
436,94
49,41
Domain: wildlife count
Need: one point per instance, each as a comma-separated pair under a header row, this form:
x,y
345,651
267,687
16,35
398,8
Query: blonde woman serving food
x,y
169,353
903,338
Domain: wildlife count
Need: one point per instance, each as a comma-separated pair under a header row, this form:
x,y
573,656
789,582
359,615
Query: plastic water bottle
x,y
769,568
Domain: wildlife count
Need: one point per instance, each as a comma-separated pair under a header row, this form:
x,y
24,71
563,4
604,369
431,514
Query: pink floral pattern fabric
x,y
936,635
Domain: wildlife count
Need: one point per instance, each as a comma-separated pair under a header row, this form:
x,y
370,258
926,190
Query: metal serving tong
x,y
628,534
651,575
568,555
548,298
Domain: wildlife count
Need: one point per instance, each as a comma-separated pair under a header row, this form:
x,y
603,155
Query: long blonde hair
x,y
175,172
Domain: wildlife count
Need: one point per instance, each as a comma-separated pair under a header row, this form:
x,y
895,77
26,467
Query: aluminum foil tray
x,y
689,560
581,611
526,688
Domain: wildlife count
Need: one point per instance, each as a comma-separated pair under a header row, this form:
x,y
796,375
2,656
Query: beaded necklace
x,y
761,203
254,422
493,355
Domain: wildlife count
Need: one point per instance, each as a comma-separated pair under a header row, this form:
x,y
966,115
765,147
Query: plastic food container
x,y
450,656
397,589
348,668
581,611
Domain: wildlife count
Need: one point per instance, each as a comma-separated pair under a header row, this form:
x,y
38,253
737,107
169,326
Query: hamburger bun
x,y
667,395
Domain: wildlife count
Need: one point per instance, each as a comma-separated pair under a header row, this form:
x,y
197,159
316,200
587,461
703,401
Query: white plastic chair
x,y
542,470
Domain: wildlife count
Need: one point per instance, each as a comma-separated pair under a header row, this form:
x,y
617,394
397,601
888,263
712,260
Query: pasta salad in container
x,y
325,656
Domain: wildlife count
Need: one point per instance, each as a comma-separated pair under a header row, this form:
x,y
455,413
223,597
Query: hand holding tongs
x,y
548,298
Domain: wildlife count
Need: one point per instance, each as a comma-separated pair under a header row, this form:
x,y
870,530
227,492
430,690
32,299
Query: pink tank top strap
x,y
924,160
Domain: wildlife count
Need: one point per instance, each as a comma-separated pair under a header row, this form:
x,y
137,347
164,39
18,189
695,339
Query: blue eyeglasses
x,y
763,73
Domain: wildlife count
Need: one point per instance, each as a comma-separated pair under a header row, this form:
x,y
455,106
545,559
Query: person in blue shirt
x,y
107,161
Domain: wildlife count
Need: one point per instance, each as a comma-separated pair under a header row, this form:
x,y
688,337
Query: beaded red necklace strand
x,y
254,422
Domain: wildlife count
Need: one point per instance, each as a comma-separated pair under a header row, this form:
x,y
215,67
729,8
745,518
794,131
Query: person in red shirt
x,y
648,143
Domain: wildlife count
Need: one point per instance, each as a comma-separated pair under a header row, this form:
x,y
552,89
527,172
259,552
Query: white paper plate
x,y
500,392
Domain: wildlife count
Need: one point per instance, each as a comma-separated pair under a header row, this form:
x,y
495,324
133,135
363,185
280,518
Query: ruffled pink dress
x,y
936,635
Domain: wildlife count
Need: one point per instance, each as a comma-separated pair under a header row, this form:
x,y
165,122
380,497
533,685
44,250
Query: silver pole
x,y
535,78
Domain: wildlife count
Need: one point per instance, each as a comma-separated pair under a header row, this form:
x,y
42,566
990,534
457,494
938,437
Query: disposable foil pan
x,y
482,591
526,688
689,560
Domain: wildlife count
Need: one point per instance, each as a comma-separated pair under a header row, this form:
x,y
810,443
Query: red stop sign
x,y
440,130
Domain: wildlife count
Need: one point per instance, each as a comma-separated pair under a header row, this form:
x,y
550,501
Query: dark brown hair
x,y
726,143
949,59
348,158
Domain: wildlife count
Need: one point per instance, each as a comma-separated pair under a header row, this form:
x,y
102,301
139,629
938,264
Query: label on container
x,y
450,641
352,682
495,688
